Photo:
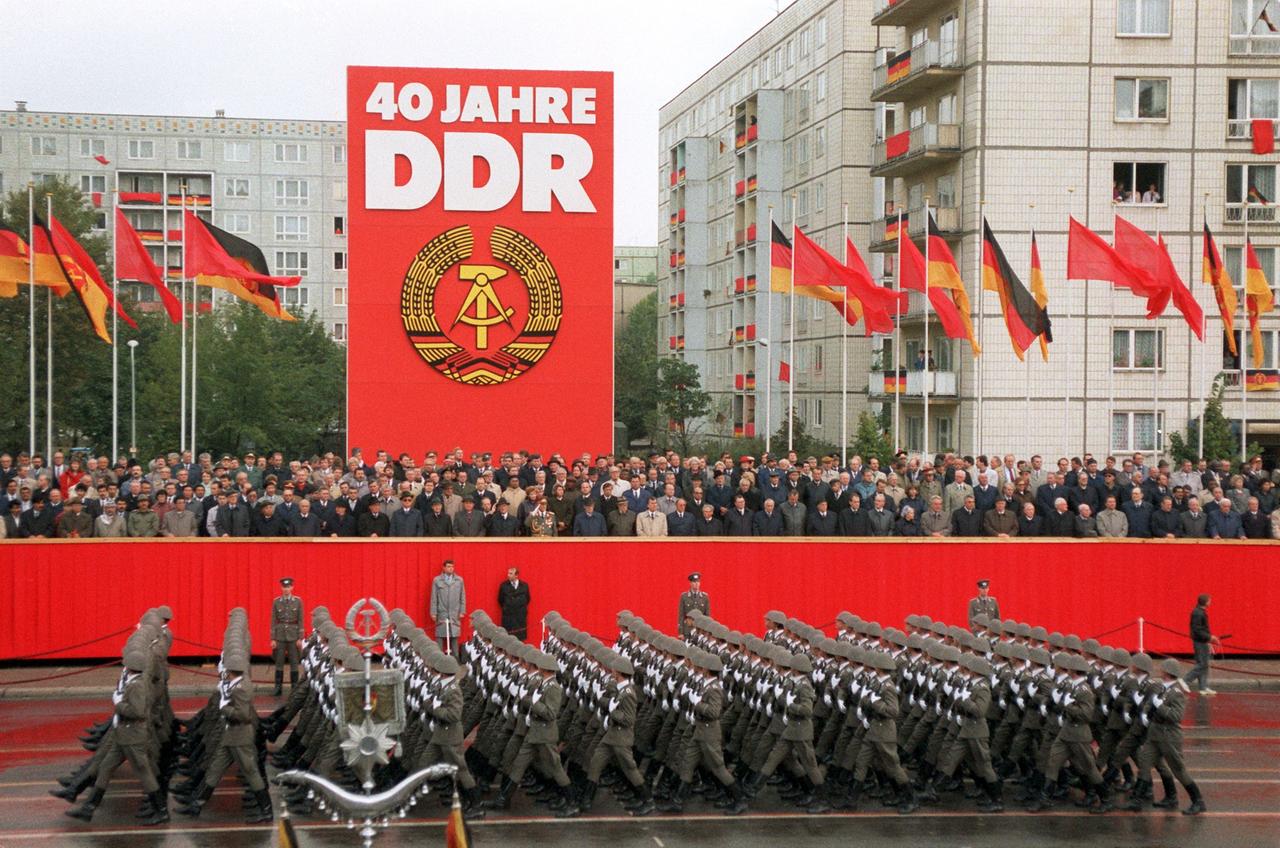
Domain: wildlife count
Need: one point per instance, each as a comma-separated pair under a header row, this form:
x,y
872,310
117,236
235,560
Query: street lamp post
x,y
133,398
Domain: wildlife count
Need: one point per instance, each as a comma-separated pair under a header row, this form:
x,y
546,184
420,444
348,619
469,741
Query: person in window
x,y
1151,195
1117,193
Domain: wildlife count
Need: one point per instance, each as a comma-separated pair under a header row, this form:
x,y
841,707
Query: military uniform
x,y
286,633
693,599
980,605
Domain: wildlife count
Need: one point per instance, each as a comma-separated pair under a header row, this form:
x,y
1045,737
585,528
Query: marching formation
x,y
901,716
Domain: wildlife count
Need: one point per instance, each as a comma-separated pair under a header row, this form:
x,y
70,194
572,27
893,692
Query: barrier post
x,y
1141,639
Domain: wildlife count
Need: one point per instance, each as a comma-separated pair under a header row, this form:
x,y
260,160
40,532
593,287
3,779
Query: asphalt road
x,y
1233,748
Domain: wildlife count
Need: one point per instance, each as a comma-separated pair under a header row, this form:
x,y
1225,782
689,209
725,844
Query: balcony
x,y
1266,44
915,149
912,383
903,12
1241,129
908,74
884,231
1258,213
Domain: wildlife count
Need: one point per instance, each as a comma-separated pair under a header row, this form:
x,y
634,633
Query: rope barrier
x,y
1231,645
1216,666
197,644
4,684
1124,626
104,637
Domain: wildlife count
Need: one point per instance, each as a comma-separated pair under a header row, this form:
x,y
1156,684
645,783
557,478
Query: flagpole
x,y
1155,379
791,348
31,310
195,314
1204,332
48,365
115,331
924,383
844,348
1066,379
1245,332
897,345
182,359
1026,360
768,348
979,370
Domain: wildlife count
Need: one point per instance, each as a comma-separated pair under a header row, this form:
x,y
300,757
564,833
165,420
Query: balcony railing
x,y
903,74
1242,128
911,383
1258,213
884,231
902,152
900,12
1254,45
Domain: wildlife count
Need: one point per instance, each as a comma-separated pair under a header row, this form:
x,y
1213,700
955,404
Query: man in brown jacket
x,y
75,523
1000,521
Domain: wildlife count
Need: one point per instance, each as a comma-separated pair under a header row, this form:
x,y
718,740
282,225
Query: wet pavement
x,y
1232,747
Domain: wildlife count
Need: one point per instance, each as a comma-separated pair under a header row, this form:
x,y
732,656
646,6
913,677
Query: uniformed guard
x,y
983,604
286,633
1164,742
693,599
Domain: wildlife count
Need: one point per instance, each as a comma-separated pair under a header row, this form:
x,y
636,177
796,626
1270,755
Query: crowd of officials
x,y
518,494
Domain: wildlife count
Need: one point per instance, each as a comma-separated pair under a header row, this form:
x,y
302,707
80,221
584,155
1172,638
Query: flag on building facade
x,y
1041,294
1214,274
133,263
220,260
1258,300
1263,132
784,371
1025,319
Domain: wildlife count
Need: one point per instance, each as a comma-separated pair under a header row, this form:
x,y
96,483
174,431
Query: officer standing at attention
x,y
286,633
983,604
694,599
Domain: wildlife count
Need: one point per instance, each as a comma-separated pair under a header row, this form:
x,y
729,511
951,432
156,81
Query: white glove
x,y
1022,705
1067,700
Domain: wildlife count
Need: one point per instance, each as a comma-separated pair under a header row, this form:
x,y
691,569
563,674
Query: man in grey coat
x,y
406,521
881,519
469,522
1111,522
111,524
448,606
935,522
793,514
179,521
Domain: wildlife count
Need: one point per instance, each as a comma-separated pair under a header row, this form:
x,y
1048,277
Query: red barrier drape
x,y
60,593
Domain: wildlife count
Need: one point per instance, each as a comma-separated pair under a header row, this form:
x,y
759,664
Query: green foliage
x,y
635,369
1219,441
803,442
871,440
681,398
262,383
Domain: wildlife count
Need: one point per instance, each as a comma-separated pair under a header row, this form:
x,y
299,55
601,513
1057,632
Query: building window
x,y
1142,99
946,191
93,184
819,142
1233,264
1137,431
236,222
1244,344
815,413
339,331
820,32
189,149
44,145
820,86
1137,350
942,440
340,260
820,197
917,117
290,152
339,295
142,148
1254,27
805,41
777,64
339,154
292,228
294,295
1254,185
1248,100
90,147
802,207
292,263
1138,182
947,109
339,225
915,433
237,186
339,189
293,193
804,149
100,222
1142,17
791,53
235,151
44,179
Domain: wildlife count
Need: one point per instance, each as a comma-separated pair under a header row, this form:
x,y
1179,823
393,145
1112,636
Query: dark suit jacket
x,y
821,524
406,522
1139,515
1163,523
853,522
233,522
305,525
514,603
32,525
1032,526
469,524
367,524
984,497
1195,525
343,526
966,523
1045,498
679,524
705,527
766,524
738,523
269,527
503,526
1059,524
1256,526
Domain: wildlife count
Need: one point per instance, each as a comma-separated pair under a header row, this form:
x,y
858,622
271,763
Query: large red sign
x,y
480,294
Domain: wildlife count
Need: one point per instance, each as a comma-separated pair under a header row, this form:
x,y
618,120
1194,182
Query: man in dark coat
x,y
966,520
513,600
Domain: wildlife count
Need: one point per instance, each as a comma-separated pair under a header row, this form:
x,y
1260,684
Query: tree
x,y
870,440
681,398
803,442
635,369
1219,441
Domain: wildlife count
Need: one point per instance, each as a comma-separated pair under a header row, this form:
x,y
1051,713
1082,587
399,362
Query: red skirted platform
x,y
65,593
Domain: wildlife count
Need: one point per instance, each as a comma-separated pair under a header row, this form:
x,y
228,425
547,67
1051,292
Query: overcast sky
x,y
287,59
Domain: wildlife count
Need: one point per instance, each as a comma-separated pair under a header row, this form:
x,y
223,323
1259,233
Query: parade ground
x,y
1232,745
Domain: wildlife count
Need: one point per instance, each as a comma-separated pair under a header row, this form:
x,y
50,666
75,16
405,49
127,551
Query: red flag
x,y
102,160
1089,257
784,371
814,266
911,275
879,304
81,272
1182,296
221,260
134,263
1264,135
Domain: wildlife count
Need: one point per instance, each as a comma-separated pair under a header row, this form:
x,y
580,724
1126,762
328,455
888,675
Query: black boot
x,y
1138,797
909,803
587,797
196,804
1170,799
84,812
737,800
147,808
570,808
73,789
643,808
675,804
263,812
503,800
1103,804
472,805
850,799
159,809
1197,801
820,803
279,683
